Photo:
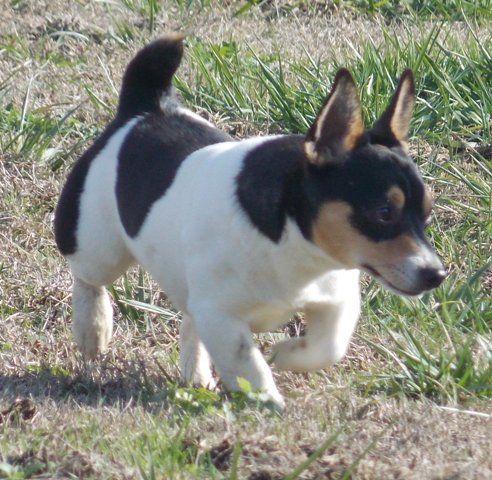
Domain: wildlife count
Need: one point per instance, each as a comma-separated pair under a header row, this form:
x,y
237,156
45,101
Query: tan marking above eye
x,y
396,196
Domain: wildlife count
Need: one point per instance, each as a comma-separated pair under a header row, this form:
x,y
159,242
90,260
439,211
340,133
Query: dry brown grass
x,y
409,439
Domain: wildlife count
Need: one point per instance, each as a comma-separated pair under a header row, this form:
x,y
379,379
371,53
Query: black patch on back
x,y
67,209
147,78
268,185
150,157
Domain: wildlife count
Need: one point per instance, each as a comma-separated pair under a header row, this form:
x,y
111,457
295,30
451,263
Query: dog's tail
x,y
149,75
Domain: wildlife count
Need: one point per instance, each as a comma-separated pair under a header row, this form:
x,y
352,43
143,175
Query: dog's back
x,y
111,188
136,157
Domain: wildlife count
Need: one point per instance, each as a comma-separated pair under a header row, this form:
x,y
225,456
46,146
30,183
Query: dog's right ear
x,y
338,126
392,127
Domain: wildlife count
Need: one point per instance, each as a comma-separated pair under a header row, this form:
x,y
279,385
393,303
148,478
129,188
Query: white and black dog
x,y
243,234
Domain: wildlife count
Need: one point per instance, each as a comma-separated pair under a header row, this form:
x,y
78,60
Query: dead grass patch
x,y
61,418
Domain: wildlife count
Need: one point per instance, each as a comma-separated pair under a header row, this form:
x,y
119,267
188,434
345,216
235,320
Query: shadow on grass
x,y
88,384
98,386
103,384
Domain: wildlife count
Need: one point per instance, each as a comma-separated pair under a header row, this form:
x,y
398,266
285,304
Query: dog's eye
x,y
384,214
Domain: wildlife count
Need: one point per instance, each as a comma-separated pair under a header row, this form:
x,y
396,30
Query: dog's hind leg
x,y
100,258
92,315
194,359
92,318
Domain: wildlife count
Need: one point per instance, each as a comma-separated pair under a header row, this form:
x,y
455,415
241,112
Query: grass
x,y
418,370
453,98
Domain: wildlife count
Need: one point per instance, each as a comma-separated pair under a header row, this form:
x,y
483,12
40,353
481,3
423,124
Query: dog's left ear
x,y
395,121
338,126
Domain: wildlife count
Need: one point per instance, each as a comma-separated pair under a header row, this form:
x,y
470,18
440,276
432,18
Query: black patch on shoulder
x,y
150,157
268,186
277,182
67,209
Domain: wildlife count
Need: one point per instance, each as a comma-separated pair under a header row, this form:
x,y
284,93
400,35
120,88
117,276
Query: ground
x,y
382,412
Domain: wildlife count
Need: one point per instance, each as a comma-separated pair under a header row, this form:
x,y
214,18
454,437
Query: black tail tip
x,y
160,58
170,45
149,75
167,44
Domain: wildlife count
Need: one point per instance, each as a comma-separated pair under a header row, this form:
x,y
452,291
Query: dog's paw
x,y
270,397
92,319
195,364
93,341
199,381
290,354
277,402
303,354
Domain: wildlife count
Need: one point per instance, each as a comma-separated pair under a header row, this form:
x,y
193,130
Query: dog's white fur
x,y
226,277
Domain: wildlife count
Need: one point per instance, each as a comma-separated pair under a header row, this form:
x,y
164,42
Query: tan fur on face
x,y
334,234
396,196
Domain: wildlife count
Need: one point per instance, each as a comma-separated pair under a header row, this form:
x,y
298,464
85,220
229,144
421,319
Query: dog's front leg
x,y
233,352
329,329
194,359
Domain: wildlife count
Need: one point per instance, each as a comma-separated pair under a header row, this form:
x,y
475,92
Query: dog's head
x,y
369,202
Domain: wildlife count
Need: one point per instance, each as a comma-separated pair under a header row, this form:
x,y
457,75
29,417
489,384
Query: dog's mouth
x,y
386,283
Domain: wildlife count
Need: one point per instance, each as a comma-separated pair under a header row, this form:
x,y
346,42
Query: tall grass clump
x,y
282,94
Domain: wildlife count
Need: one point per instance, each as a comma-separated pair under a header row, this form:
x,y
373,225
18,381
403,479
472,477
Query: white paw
x,y
92,339
290,354
198,375
92,319
277,400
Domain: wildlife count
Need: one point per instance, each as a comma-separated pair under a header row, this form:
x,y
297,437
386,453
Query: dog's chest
x,y
200,245
266,312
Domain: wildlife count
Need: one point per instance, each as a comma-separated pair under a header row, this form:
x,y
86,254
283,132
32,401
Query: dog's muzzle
x,y
410,276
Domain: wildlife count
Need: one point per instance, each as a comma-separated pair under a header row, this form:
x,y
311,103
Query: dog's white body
x,y
223,275
241,235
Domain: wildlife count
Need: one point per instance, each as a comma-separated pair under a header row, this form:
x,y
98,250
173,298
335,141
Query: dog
x,y
243,234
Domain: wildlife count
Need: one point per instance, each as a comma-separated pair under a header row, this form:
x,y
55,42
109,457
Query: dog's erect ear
x,y
395,121
338,126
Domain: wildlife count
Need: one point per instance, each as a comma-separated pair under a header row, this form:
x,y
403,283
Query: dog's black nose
x,y
432,277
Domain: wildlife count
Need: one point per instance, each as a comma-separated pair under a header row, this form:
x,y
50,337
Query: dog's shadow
x,y
106,384
91,384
